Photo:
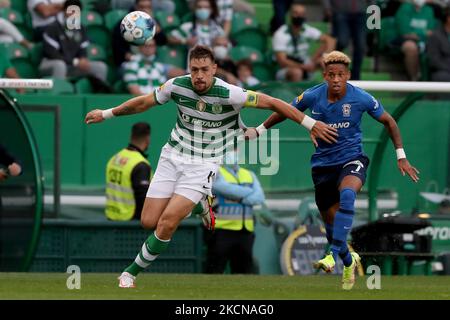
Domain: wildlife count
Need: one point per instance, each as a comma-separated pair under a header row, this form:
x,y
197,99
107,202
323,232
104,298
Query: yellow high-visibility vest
x,y
232,215
120,201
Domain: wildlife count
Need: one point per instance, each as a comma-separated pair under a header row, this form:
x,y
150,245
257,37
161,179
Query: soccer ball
x,y
138,28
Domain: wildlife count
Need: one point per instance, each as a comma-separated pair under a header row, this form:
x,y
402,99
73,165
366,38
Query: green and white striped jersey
x,y
208,124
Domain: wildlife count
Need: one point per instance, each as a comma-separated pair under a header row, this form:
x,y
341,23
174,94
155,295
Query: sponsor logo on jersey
x,y
200,122
346,110
340,125
216,108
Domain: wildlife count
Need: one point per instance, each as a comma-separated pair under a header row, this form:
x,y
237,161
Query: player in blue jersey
x,y
339,169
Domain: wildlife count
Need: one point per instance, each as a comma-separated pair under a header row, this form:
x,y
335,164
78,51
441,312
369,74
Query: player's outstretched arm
x,y
132,106
394,132
284,110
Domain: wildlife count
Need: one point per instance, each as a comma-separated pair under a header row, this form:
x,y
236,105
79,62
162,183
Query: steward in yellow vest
x,y
128,175
237,190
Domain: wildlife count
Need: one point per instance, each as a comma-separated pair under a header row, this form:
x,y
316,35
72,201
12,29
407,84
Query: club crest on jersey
x,y
201,106
216,108
346,110
299,98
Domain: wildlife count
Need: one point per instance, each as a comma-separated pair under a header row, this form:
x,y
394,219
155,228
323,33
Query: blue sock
x,y
343,222
346,256
329,230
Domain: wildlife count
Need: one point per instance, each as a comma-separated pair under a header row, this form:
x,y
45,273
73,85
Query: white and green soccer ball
x,y
138,28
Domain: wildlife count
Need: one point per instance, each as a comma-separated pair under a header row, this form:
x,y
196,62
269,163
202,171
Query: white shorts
x,y
178,174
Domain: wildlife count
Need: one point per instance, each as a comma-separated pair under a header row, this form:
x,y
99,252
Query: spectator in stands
x,y
12,167
226,68
143,74
43,13
65,51
236,5
291,46
245,74
237,191
225,15
349,22
9,34
128,175
203,29
438,50
415,22
120,48
158,5
7,70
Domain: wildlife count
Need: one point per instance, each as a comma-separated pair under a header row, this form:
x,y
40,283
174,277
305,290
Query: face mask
x,y
419,3
231,158
202,14
298,21
220,52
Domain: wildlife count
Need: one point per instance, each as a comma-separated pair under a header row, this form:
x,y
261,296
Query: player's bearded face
x,y
202,73
336,75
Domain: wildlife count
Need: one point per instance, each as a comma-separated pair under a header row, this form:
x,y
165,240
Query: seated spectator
x,y
226,68
225,15
120,48
438,50
43,13
158,5
64,50
291,46
9,34
415,22
7,70
280,8
236,5
245,74
203,29
143,74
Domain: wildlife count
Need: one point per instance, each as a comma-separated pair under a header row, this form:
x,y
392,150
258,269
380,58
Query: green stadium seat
x,y
13,16
242,21
17,51
387,33
174,55
263,72
113,17
181,7
243,52
119,87
167,22
96,52
19,5
376,76
88,4
36,53
186,17
255,38
83,86
368,64
95,28
25,68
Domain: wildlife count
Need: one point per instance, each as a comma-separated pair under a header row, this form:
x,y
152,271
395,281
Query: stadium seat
x,y
119,87
36,53
17,51
83,86
96,52
387,33
174,55
13,16
167,22
186,17
60,86
25,68
255,38
324,27
242,21
181,7
113,17
263,72
95,28
19,5
243,52
376,76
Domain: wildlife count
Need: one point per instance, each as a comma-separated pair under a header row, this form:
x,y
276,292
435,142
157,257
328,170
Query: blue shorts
x,y
327,180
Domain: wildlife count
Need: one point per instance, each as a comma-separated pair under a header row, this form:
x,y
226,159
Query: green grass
x,y
218,287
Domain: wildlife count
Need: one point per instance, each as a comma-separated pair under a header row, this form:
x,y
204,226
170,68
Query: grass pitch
x,y
218,287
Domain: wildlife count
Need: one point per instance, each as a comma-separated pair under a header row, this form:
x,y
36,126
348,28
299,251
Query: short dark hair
x,y
245,63
69,3
199,52
140,130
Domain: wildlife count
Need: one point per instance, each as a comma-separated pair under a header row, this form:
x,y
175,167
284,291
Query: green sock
x,y
151,248
198,209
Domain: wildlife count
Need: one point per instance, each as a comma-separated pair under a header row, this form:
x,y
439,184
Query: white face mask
x,y
220,52
231,158
419,3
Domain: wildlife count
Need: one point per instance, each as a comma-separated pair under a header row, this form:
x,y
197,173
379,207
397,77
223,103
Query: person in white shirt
x,y
43,13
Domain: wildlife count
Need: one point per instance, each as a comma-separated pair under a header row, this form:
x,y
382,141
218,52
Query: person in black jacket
x,y
438,50
65,50
12,168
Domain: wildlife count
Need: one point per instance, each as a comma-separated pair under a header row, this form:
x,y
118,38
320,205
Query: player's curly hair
x,y
336,57
201,52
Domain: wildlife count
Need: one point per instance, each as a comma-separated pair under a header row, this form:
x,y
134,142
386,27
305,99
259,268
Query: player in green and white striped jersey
x,y
207,124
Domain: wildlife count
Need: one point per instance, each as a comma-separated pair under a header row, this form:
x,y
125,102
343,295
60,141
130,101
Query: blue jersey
x,y
344,115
